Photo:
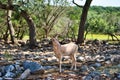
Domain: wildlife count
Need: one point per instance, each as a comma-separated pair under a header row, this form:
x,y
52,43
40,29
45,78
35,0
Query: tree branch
x,y
77,4
4,6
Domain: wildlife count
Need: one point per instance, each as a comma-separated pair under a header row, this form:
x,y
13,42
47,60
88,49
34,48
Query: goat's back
x,y
68,49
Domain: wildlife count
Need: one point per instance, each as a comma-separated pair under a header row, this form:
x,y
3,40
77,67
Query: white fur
x,y
69,49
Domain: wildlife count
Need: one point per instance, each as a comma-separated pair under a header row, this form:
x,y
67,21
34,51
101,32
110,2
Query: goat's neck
x,y
57,47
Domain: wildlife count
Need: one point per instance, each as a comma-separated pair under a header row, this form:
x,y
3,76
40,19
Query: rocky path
x,y
94,62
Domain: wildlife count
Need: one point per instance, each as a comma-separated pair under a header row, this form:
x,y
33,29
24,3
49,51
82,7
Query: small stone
x,y
43,61
25,74
88,58
9,68
1,78
118,65
8,79
0,74
108,63
96,78
49,75
72,74
18,62
84,68
96,73
80,58
37,58
97,64
88,78
101,59
92,69
10,74
47,67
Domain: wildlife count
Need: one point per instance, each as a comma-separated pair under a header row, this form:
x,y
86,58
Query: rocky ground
x,y
96,60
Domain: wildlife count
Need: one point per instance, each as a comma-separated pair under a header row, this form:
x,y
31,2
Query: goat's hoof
x,y
61,71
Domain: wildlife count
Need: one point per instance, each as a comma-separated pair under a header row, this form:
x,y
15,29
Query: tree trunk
x,y
32,34
9,23
25,15
83,18
10,26
5,36
46,32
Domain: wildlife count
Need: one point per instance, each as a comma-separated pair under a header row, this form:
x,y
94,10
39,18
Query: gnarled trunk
x,y
83,18
10,26
32,34
25,15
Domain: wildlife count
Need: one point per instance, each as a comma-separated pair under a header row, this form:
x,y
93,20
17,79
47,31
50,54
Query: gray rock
x,y
1,78
100,59
10,75
115,59
108,62
88,58
49,67
9,68
52,59
84,68
25,74
118,65
36,58
106,73
92,68
0,74
96,65
43,61
18,62
88,78
8,79
33,66
94,73
2,69
96,78
118,75
80,58
107,57
17,67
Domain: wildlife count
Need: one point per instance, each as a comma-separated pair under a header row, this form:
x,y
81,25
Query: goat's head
x,y
55,42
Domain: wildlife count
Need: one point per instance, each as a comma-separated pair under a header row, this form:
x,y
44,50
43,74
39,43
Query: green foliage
x,y
2,23
47,13
103,20
96,24
74,13
100,19
23,5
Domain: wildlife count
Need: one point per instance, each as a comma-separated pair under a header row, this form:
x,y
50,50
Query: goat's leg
x,y
60,62
75,62
71,62
73,58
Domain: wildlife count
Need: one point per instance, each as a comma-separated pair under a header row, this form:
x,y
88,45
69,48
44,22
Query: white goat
x,y
69,49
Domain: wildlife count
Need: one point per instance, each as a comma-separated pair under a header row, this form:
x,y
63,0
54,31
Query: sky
x,y
105,3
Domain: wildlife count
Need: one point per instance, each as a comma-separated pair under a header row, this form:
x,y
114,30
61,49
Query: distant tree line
x,y
101,20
